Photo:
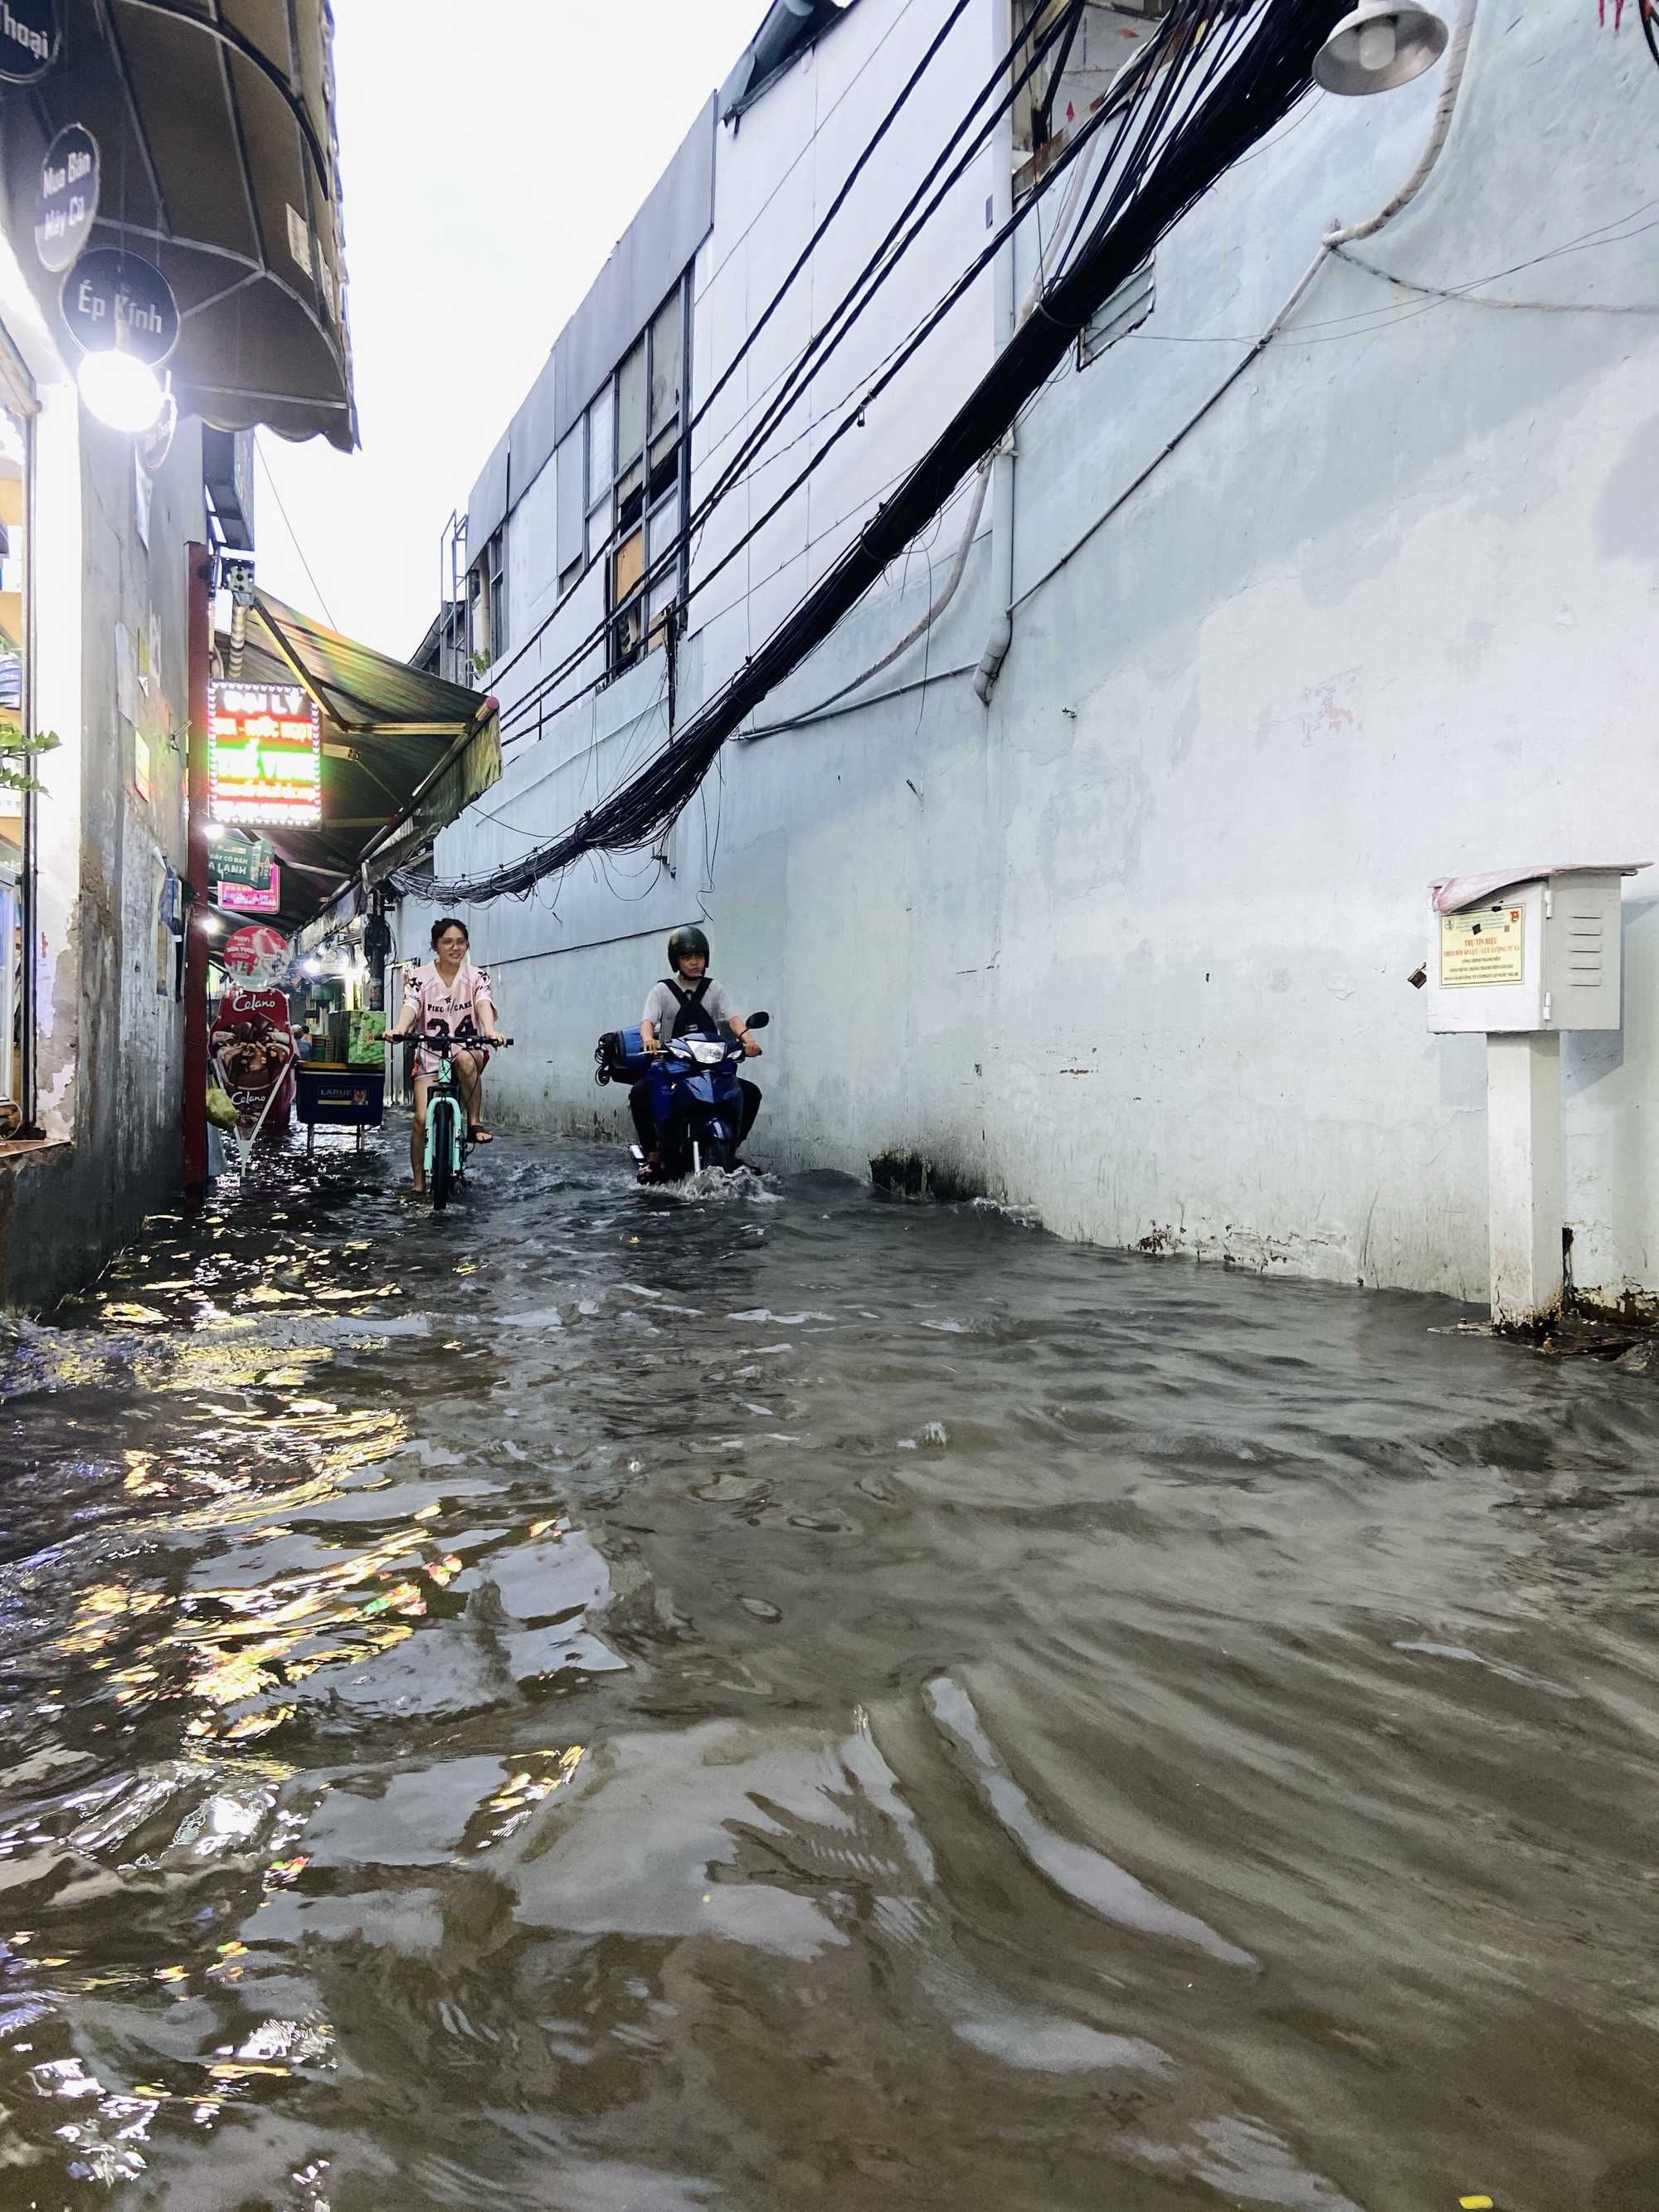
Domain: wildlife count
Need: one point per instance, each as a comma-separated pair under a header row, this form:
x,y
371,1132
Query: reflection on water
x,y
601,1701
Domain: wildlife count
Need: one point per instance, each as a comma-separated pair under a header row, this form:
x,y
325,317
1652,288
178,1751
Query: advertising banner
x,y
255,955
265,755
251,1047
263,897
232,862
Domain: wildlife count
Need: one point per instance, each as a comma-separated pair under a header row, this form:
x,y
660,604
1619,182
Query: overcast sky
x,y
491,154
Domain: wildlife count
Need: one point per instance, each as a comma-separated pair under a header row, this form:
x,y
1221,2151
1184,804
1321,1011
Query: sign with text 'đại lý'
x,y
265,755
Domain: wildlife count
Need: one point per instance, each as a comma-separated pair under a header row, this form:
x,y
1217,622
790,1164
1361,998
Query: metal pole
x,y
200,649
1524,1177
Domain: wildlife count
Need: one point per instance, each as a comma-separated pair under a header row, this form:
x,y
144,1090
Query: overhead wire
x,y
875,273
294,536
804,257
1227,77
802,260
1116,106
1012,76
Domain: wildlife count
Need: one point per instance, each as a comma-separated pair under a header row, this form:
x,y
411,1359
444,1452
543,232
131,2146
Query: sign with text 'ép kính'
x,y
265,755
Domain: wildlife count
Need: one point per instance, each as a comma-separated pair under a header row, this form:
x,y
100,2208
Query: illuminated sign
x,y
263,897
232,862
265,755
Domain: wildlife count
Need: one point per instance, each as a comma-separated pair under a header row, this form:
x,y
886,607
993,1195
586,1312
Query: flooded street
x,y
594,1701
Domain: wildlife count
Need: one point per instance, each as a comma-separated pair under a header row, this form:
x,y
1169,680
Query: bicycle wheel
x,y
445,1145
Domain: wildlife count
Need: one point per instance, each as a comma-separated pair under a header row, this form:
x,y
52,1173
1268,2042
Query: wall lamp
x,y
1379,46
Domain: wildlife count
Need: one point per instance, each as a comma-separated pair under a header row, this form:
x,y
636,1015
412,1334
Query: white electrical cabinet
x,y
1541,953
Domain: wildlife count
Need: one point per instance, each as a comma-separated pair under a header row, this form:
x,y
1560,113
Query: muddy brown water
x,y
807,1699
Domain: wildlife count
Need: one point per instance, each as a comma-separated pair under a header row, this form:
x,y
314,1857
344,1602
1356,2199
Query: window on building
x,y
637,470
1091,44
487,602
1125,311
570,506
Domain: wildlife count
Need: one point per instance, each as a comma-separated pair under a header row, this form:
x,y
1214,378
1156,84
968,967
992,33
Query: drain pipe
x,y
1001,632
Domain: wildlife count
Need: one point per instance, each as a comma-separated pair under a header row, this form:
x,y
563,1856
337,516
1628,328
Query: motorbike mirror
x,y
760,1021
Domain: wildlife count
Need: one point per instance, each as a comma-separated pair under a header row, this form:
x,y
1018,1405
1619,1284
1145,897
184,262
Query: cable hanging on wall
x,y
1211,83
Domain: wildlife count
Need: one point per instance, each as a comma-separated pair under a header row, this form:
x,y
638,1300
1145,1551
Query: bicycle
x,y
447,1138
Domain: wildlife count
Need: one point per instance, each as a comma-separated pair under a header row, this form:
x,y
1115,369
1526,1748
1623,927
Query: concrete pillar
x,y
1523,1172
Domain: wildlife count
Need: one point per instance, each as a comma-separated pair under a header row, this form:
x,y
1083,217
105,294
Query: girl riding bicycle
x,y
449,989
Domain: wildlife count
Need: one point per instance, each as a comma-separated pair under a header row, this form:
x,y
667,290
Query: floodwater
x,y
594,1701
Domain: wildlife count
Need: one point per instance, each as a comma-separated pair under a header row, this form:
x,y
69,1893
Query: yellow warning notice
x,y
1486,944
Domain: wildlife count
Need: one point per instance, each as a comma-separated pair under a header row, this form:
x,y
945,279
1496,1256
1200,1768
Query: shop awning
x,y
402,753
214,123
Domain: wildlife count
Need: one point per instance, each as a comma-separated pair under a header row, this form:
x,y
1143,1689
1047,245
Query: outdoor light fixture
x,y
120,390
121,312
213,831
1379,46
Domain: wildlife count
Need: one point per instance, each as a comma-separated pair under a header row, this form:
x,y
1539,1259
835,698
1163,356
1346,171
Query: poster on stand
x,y
251,1047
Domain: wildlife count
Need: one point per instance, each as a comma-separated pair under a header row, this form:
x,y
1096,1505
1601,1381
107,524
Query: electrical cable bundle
x,y
966,142
1216,78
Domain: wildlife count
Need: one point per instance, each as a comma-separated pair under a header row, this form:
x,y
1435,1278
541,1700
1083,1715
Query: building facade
x,y
216,152
1130,941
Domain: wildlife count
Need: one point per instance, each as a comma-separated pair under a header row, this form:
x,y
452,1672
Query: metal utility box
x,y
1539,954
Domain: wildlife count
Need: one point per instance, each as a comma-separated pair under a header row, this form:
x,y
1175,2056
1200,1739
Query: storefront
x,y
14,455
215,147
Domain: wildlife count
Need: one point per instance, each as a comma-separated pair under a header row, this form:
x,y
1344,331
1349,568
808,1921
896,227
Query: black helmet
x,y
685,941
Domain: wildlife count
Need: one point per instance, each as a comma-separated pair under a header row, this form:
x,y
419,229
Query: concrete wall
x,y
1132,947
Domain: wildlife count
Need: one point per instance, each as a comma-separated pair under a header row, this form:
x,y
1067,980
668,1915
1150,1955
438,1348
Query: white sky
x,y
491,154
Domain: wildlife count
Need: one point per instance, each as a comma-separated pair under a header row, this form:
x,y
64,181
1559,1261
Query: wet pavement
x,y
594,1701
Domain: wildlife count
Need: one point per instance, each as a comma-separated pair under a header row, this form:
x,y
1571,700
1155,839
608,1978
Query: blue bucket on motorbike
x,y
619,1056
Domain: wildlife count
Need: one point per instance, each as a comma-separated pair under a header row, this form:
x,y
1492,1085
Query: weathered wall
x,y
110,1043
1132,947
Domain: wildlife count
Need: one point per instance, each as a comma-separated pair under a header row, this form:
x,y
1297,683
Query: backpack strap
x,y
693,1014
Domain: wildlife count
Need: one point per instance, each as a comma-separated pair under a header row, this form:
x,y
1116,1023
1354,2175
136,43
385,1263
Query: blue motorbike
x,y
696,1103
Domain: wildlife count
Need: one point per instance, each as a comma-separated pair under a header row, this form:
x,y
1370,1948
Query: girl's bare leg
x,y
470,1077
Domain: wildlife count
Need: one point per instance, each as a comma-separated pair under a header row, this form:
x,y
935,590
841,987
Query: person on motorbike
x,y
449,988
690,1003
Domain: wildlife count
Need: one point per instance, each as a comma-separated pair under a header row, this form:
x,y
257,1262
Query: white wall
x,y
1132,947
58,566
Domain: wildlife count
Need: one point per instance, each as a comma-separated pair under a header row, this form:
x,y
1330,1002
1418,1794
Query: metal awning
x,y
789,25
402,753
215,122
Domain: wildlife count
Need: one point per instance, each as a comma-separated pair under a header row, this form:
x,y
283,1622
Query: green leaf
x,y
12,742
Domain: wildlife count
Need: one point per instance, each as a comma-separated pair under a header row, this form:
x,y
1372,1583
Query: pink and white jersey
x,y
454,1003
